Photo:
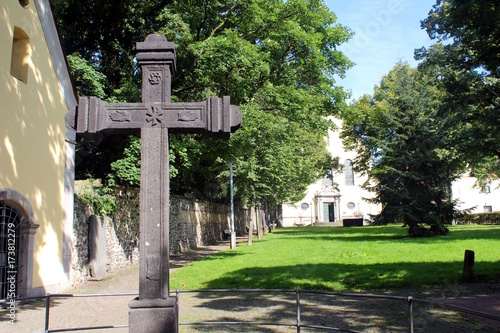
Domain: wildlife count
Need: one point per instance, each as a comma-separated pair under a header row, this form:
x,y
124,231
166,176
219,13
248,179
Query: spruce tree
x,y
403,149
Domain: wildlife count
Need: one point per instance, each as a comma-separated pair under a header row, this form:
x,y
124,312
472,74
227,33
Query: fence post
x,y
410,310
298,311
47,307
177,301
177,310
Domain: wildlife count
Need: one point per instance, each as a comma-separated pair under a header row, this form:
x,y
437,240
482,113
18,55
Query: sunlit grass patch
x,y
356,258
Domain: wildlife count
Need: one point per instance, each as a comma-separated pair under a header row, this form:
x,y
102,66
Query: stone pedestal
x,y
153,316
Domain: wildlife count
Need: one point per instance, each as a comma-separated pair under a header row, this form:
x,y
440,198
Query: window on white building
x,y
486,189
349,173
328,178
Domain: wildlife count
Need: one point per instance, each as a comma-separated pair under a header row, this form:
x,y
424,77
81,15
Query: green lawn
x,y
356,258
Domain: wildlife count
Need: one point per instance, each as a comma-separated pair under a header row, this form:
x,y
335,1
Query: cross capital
x,y
156,50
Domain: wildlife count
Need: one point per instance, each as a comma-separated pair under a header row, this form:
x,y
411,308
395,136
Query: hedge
x,y
480,218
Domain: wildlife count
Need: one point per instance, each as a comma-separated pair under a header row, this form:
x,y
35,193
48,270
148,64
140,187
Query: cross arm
x,y
215,117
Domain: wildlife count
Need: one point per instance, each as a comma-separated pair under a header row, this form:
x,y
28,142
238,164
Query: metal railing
x,y
297,323
409,300
49,297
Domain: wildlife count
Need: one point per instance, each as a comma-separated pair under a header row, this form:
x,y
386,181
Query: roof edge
x,y
46,15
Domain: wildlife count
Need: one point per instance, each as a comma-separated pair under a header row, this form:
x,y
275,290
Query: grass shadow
x,y
350,277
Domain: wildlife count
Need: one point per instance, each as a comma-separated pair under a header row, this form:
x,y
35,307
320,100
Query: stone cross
x,y
154,310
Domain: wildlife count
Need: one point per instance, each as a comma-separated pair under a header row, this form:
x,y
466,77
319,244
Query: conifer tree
x,y
403,149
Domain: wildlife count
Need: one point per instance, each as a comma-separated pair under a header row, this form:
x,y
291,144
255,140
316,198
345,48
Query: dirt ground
x,y
345,313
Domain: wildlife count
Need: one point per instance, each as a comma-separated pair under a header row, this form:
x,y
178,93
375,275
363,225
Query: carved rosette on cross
x,y
154,310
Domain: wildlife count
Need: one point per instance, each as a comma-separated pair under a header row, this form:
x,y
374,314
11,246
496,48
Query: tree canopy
x,y
465,64
276,59
472,24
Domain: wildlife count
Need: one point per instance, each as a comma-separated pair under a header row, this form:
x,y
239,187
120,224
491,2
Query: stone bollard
x,y
97,246
468,273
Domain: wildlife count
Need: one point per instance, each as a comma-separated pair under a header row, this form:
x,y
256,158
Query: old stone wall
x,y
192,224
122,233
80,248
195,223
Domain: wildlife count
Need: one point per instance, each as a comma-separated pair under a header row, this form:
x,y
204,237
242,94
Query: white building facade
x,y
485,200
338,203
343,202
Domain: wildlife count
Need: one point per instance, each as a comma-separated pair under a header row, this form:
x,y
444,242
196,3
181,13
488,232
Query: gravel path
x,y
358,314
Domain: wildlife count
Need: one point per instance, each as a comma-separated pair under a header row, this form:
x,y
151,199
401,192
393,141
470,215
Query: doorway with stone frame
x,y
328,212
327,205
17,231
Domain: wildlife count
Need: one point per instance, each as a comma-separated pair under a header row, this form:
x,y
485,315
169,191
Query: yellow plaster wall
x,y
32,137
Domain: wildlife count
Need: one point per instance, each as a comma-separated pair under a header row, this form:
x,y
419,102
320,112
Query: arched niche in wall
x,y
24,3
20,58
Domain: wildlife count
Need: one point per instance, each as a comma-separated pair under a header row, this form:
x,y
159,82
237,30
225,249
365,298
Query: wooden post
x,y
468,273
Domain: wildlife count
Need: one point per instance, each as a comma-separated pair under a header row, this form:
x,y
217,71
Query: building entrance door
x,y
328,212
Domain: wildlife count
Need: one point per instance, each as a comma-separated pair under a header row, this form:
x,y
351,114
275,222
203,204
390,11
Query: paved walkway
x,y
360,314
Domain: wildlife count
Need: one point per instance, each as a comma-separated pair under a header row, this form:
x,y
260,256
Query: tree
x,y
104,33
280,59
466,67
275,159
99,39
472,24
402,147
469,107
276,59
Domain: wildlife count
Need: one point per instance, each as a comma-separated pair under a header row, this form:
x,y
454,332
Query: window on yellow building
x,y
19,63
24,3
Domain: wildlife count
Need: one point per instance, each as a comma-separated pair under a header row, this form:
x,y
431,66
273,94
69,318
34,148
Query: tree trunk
x,y
275,218
265,220
250,230
259,221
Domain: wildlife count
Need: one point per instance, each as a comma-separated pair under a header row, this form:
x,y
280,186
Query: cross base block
x,y
153,316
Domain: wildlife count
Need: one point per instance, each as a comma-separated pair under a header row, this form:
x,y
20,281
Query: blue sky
x,y
386,31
